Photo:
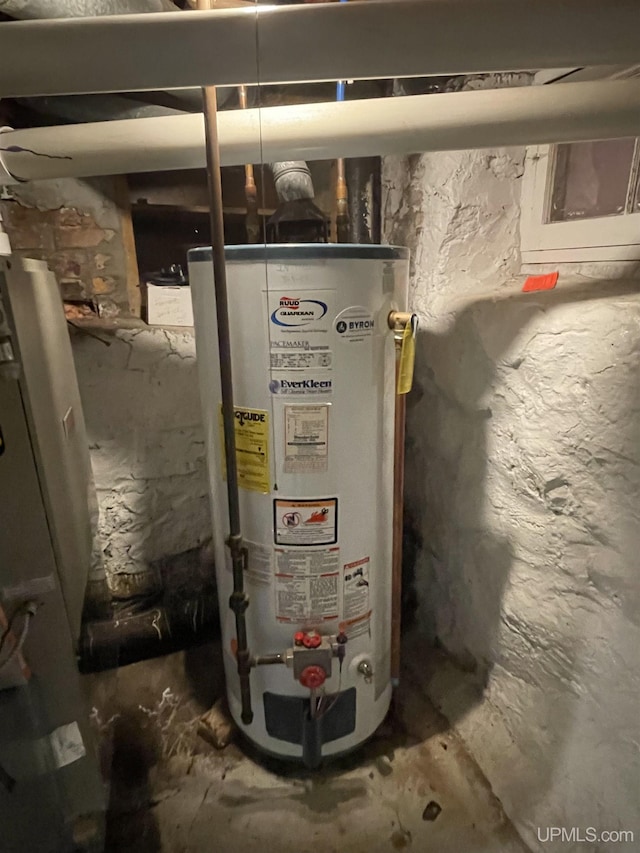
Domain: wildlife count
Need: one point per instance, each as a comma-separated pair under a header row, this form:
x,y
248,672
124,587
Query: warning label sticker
x,y
307,562
305,522
252,448
355,589
301,359
259,562
307,585
306,437
354,325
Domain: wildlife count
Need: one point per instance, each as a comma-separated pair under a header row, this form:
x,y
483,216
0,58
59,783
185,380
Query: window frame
x,y
603,238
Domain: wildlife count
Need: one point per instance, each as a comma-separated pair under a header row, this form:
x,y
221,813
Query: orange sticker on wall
x,y
540,282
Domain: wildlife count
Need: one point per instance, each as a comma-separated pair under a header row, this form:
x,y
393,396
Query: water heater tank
x,y
314,388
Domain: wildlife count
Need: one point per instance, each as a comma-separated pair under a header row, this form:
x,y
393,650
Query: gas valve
x,y
313,677
312,654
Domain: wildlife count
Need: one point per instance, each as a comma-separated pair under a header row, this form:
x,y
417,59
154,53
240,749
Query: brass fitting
x,y
399,319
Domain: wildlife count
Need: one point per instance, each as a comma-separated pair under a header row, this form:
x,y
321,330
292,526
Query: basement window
x,y
581,202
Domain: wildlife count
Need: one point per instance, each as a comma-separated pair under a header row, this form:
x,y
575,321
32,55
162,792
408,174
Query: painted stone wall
x,y
142,409
523,485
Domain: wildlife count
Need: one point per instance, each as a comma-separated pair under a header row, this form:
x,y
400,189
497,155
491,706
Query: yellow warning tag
x,y
252,448
407,356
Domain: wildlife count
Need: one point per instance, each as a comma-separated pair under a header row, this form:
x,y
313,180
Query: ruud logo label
x,y
298,312
300,386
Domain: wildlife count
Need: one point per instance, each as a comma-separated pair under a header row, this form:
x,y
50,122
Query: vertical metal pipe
x,y
250,191
342,207
376,201
238,601
357,176
363,176
398,508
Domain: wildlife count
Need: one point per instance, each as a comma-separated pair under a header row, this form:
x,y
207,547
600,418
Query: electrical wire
x,y
30,611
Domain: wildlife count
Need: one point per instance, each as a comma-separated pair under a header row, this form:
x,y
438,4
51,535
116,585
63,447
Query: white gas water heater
x,y
313,361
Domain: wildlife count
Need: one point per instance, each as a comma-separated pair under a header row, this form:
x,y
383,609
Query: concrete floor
x,y
412,787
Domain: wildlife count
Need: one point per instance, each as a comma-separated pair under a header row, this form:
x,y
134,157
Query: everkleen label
x,y
252,448
315,385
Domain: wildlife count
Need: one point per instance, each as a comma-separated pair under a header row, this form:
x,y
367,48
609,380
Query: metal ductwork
x,y
293,180
297,219
92,108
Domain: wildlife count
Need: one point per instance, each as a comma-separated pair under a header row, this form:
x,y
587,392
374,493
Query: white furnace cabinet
x,y
314,386
52,798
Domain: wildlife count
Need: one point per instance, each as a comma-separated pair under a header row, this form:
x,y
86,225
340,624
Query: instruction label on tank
x,y
299,327
301,359
316,562
252,448
306,438
305,522
355,590
355,324
307,585
259,562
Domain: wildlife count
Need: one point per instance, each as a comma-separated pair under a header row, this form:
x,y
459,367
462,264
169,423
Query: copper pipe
x,y
238,601
342,208
250,191
398,511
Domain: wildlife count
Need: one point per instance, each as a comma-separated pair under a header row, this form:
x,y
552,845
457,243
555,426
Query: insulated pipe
x,y
312,42
450,121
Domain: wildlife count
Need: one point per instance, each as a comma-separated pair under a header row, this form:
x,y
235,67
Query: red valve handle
x,y
313,677
312,641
